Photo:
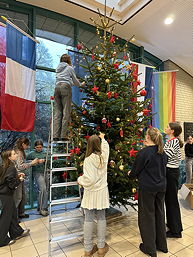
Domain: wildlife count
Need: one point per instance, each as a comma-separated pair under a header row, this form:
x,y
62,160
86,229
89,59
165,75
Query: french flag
x,y
18,98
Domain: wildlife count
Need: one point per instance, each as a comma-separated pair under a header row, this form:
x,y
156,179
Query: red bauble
x,y
79,46
98,127
87,137
143,92
51,97
104,120
112,39
145,112
121,132
136,196
93,57
132,153
109,94
135,76
125,57
80,90
94,89
134,143
84,112
65,175
55,158
150,106
116,95
72,151
116,65
108,124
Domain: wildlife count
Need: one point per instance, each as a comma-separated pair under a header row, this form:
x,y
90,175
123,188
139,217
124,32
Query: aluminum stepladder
x,y
65,200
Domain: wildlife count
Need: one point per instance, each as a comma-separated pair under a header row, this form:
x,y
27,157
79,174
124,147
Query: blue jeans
x,y
90,217
43,192
189,165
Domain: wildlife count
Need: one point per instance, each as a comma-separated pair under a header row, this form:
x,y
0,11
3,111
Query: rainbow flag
x,y
164,99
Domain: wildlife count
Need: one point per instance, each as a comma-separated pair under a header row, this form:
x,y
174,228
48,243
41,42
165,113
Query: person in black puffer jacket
x,y
9,180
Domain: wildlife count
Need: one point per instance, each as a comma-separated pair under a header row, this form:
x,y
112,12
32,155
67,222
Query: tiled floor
x,y
122,236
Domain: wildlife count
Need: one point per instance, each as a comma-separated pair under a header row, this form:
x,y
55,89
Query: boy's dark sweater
x,y
189,150
150,169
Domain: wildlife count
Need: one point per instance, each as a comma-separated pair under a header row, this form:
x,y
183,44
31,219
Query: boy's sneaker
x,y
44,213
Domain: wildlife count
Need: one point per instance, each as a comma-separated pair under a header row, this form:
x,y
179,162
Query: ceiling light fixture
x,y
168,20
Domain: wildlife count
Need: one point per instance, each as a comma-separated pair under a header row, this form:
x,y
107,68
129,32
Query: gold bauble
x,y
81,164
134,190
121,167
117,119
107,81
98,68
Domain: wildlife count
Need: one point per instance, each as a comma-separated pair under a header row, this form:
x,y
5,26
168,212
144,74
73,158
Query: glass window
x,y
19,19
45,83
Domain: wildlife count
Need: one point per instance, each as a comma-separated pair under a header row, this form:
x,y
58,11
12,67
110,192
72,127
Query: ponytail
x,y
156,138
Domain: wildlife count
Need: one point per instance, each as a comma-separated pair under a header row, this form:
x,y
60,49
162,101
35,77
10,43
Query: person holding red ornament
x,y
96,196
150,169
65,79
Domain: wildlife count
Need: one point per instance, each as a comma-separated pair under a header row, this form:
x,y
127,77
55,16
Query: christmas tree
x,y
111,105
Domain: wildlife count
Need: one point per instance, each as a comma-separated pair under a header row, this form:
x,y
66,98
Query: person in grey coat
x,y
65,79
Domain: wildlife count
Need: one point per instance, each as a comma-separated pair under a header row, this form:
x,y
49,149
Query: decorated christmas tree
x,y
115,104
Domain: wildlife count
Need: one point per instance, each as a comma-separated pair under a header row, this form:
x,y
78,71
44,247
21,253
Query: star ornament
x,y
132,153
145,112
95,89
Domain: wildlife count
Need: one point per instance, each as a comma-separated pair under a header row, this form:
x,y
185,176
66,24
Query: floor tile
x,y
28,251
124,248
4,249
42,247
22,242
8,254
58,253
185,253
174,246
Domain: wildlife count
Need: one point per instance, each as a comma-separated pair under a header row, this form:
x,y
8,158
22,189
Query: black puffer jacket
x,y
10,182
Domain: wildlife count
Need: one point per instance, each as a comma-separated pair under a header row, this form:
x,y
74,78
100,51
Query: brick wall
x,y
184,95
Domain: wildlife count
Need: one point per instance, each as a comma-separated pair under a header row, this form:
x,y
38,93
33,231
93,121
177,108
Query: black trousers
x,y
21,207
173,215
8,220
151,219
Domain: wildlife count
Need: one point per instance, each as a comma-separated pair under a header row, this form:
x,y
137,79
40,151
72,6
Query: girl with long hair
x,y
9,181
172,149
96,196
189,159
21,145
150,170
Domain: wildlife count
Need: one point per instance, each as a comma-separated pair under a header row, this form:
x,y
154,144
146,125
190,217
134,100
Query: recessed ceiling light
x,y
168,20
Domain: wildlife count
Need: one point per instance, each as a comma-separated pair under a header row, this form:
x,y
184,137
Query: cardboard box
x,y
189,197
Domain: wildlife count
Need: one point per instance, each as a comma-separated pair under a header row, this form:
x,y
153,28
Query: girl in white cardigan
x,y
96,195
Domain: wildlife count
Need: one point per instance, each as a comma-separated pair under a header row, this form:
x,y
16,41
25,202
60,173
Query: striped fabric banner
x,y
18,103
164,99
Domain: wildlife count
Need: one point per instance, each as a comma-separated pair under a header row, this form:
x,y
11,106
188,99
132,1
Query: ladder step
x,y
66,200
63,169
65,184
60,142
60,155
64,219
66,237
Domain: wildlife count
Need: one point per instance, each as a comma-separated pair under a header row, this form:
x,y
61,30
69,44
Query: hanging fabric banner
x,y
2,65
18,109
164,99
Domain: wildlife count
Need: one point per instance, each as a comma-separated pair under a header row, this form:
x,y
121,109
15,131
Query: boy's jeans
x,y
189,164
42,188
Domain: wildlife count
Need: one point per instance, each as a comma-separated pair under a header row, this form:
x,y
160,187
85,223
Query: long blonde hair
x,y
156,138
